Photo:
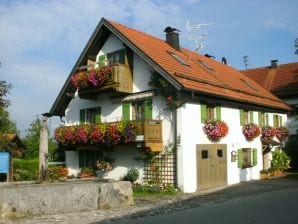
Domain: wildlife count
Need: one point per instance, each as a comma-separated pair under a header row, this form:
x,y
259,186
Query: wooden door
x,y
211,165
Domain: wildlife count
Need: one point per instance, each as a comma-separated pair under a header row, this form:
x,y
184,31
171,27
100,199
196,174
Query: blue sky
x,y
41,40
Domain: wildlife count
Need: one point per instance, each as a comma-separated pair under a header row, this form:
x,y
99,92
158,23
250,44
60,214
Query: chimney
x,y
274,63
172,37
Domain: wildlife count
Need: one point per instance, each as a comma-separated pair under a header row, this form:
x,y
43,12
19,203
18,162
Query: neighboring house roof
x,y
281,80
200,75
14,138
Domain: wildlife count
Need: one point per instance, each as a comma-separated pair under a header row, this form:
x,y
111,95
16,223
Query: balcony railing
x,y
120,80
148,133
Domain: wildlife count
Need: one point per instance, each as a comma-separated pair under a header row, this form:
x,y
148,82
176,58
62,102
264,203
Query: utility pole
x,y
43,149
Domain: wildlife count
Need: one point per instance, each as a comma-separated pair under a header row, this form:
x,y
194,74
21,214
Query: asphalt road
x,y
272,203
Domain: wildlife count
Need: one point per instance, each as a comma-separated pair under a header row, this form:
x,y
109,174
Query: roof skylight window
x,y
180,60
249,84
205,65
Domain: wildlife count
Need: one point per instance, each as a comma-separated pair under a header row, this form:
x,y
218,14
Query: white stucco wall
x,y
191,134
111,111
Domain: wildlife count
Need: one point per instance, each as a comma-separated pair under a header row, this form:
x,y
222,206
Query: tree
x,y
4,90
31,140
6,125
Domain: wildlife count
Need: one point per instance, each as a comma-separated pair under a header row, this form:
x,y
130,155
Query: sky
x,y
41,40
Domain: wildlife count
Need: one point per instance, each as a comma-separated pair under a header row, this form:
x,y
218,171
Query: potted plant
x,y
280,162
264,174
86,172
251,131
102,166
215,129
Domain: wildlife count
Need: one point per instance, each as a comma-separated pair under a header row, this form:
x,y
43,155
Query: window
x,y
249,84
179,59
142,109
277,121
246,117
88,158
205,65
263,119
116,57
138,110
204,154
90,115
219,153
247,157
210,112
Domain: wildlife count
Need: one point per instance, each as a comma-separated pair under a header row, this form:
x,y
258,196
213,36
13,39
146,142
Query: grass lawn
x,y
145,194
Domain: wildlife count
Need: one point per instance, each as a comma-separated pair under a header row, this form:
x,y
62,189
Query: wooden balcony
x,y
151,134
120,81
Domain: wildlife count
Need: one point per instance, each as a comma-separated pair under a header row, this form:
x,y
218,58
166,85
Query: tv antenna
x,y
245,61
296,45
197,32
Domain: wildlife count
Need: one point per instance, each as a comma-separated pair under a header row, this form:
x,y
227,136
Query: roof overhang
x,y
95,43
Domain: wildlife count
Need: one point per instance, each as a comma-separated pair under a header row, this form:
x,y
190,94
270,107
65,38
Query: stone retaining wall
x,y
18,201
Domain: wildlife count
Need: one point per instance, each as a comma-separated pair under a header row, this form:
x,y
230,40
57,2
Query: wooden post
x,y
43,149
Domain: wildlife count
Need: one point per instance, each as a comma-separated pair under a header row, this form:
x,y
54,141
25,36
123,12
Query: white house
x,y
171,92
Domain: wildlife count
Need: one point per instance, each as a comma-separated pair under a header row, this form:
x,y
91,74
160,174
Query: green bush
x,y
25,169
132,175
280,160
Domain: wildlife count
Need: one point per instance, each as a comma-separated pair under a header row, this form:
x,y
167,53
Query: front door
x,y
211,166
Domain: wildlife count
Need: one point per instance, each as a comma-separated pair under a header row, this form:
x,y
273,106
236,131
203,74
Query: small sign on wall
x,y
4,162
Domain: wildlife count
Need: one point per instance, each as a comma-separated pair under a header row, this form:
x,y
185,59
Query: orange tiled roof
x,y
275,78
202,74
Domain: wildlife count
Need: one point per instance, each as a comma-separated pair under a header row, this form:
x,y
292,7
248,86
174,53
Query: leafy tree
x,y
31,140
4,90
6,125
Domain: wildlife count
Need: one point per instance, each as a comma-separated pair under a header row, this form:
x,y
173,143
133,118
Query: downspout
x,y
175,146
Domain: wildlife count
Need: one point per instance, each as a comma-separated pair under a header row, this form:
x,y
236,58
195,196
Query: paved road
x,y
273,201
278,207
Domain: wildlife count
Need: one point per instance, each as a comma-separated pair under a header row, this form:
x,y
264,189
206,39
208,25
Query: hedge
x,y
25,169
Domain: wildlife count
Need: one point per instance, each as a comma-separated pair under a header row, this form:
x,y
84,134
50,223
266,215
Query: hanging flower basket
x,y
215,130
281,133
91,79
268,132
251,131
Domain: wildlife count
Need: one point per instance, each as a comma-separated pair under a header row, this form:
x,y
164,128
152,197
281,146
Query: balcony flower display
x,y
108,134
90,79
251,131
215,130
282,133
268,132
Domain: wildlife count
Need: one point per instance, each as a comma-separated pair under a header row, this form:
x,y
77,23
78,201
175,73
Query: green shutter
x,y
218,112
82,116
148,109
267,119
251,116
203,113
281,122
97,115
126,111
254,156
242,122
240,158
122,56
101,60
260,119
